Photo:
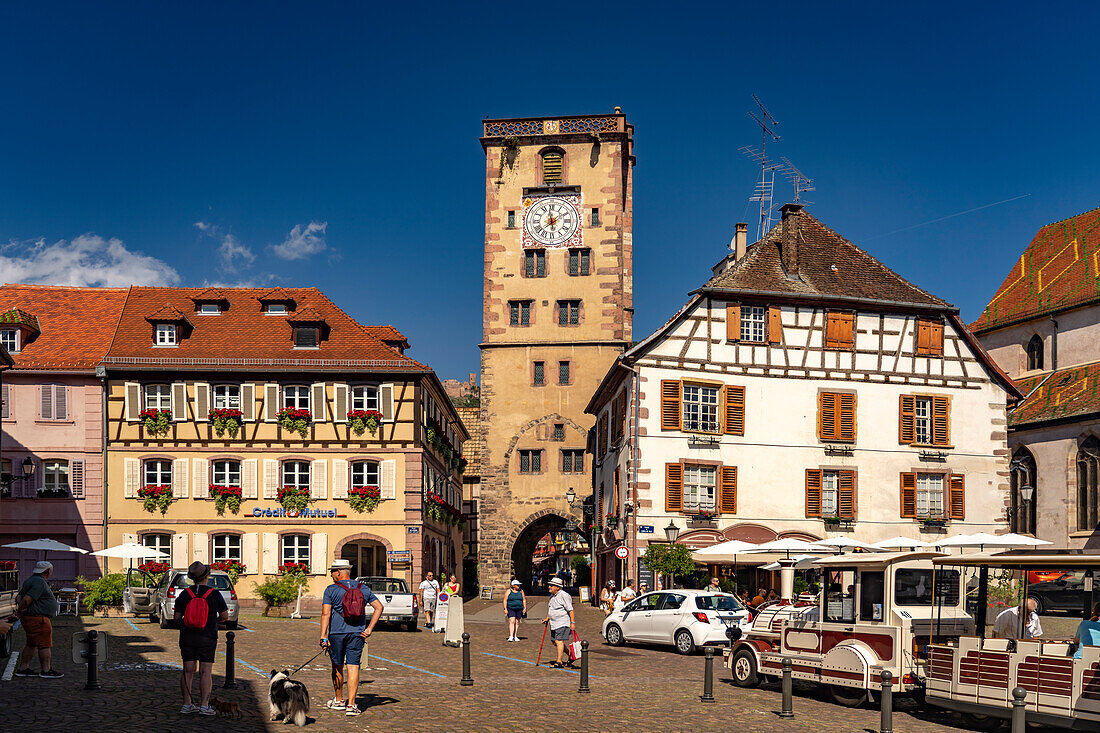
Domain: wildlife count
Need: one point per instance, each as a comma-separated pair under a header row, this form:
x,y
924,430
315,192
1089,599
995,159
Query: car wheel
x,y
982,722
231,625
685,643
1038,604
849,697
744,669
614,635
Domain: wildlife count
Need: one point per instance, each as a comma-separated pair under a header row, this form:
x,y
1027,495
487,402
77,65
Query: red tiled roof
x,y
307,315
211,295
1058,270
1066,393
275,294
76,324
167,314
388,333
19,317
242,335
471,449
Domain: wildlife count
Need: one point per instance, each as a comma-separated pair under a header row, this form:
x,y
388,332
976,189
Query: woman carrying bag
x,y
515,608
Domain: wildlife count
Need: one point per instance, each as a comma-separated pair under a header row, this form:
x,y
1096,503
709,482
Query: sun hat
x,y
42,566
515,581
340,565
197,570
557,582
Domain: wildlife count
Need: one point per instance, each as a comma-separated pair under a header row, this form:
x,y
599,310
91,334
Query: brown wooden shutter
x,y
670,404
941,411
734,410
618,492
923,329
908,496
674,487
956,500
775,324
935,338
813,492
839,330
847,507
826,416
907,419
846,417
727,489
733,322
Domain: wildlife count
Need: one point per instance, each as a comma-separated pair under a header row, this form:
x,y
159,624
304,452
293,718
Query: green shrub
x,y
105,591
277,591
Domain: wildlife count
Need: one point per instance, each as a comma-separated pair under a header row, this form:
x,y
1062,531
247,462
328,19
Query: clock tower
x,y
557,311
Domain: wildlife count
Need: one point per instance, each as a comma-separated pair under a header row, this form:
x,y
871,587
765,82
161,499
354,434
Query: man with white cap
x,y
343,632
36,607
559,615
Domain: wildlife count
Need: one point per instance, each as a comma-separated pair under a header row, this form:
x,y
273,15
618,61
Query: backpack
x,y
197,612
354,603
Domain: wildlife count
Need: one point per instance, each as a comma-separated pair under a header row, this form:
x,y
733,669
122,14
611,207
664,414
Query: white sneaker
x,y
515,638
189,709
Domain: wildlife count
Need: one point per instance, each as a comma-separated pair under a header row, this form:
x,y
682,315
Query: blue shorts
x,y
345,649
562,634
515,613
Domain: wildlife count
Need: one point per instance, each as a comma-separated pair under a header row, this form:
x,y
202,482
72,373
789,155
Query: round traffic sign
x,y
621,552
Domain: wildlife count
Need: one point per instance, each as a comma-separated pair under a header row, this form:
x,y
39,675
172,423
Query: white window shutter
x,y
248,478
250,552
248,402
179,401
385,399
317,401
5,396
180,558
179,478
200,544
340,402
133,401
318,479
202,401
271,553
271,478
76,479
60,402
388,490
200,478
271,402
318,553
339,478
132,477
45,401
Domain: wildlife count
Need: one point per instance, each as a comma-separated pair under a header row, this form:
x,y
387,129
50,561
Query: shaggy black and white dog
x,y
289,698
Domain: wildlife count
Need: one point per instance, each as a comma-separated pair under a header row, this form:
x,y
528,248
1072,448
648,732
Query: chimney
x,y
788,248
740,240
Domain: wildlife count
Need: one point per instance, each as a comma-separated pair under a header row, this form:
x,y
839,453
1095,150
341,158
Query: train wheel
x,y
849,697
744,669
982,722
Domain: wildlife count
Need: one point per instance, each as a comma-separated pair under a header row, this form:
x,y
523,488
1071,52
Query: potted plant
x,y
155,569
233,568
294,498
364,498
226,496
226,420
294,568
434,507
156,422
295,420
363,420
705,515
934,522
156,496
833,521
612,520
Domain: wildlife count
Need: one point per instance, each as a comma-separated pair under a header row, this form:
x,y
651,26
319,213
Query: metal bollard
x,y
887,722
230,662
93,661
788,690
1019,712
708,676
467,680
584,668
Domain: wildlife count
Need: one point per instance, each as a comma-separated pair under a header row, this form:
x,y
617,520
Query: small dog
x,y
289,698
226,708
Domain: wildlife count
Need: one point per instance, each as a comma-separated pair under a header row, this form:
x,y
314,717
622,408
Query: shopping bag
x,y
575,648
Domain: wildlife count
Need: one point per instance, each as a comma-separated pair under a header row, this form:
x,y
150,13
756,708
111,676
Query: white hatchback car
x,y
684,618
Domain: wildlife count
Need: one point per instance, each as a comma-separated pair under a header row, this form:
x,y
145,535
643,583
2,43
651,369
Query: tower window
x,y
511,219
559,432
538,373
595,217
580,261
552,161
534,263
519,313
530,461
565,375
1035,353
569,312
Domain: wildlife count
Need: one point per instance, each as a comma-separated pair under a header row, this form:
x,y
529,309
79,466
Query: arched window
x,y
1022,478
1035,353
552,167
1088,467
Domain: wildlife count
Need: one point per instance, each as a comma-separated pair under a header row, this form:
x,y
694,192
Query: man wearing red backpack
x,y
198,610
344,628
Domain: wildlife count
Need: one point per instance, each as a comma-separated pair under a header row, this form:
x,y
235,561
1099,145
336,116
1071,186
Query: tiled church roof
x,y
1066,393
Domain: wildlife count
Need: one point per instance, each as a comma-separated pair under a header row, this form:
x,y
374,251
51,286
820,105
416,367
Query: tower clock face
x,y
551,221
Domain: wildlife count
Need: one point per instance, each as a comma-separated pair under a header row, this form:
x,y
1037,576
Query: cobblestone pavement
x,y
413,685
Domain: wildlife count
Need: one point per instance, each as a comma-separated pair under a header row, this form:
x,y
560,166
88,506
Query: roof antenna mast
x,y
801,182
766,185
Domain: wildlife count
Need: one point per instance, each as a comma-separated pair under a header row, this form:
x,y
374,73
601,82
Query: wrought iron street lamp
x,y
28,467
571,496
672,531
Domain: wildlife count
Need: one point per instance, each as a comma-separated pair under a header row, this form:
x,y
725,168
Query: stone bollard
x,y
886,725
93,661
230,662
708,676
788,690
467,680
1019,712
584,668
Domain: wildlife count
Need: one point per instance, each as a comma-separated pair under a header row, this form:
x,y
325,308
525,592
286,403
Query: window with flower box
x,y
158,397
225,547
296,474
55,479
227,473
227,397
366,473
158,473
295,549
8,477
365,397
159,543
296,396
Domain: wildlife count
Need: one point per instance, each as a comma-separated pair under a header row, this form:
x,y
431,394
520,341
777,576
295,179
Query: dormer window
x,y
275,309
166,334
209,309
9,339
305,337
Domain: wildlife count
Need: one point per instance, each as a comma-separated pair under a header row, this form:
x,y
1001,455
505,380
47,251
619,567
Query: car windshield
x,y
385,585
718,603
218,582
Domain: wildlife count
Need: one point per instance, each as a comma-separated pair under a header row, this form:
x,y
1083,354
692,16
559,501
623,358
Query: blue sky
x,y
336,145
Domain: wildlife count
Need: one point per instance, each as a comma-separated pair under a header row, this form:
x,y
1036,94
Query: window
x,y
595,217
830,493
227,473
929,337
923,424
296,548
840,599
700,408
564,373
839,333
872,595
519,312
579,261
924,420
538,373
365,397
227,397
1021,514
572,460
836,416
296,474
305,337
569,312
930,495
914,587
552,167
559,432
534,263
296,396
166,334
1088,493
225,547
158,397
158,473
275,309
209,309
158,542
55,478
1034,353
9,339
365,473
530,461
752,323
53,402
700,485
511,219
7,475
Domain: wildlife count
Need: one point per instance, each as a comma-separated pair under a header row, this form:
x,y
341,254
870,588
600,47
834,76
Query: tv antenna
x,y
801,182
766,186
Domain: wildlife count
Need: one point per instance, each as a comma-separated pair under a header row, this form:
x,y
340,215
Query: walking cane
x,y
541,643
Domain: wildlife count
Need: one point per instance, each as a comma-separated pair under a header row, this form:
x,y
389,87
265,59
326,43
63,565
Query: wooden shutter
x,y
250,552
908,496
200,544
76,479
180,556
847,494
734,410
249,489
846,417
670,404
907,419
60,402
5,396
551,167
179,401
935,338
388,476
271,402
813,492
270,563
339,404
826,415
318,553
202,401
318,479
839,330
923,333
385,401
941,423
733,322
727,489
132,399
45,401
674,487
317,400
339,478
271,478
775,324
956,500
131,477
248,402
200,478
179,478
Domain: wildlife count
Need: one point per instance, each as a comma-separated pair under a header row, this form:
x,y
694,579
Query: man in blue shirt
x,y
343,637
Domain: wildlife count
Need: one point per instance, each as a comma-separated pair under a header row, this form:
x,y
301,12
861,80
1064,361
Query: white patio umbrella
x,y
132,550
980,540
46,545
731,547
786,545
845,543
801,562
1022,540
902,543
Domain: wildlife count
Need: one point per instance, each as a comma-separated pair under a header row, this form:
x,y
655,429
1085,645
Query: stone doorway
x,y
523,551
367,557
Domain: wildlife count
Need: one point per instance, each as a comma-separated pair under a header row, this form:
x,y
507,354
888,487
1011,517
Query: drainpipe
x,y
1054,346
101,372
632,441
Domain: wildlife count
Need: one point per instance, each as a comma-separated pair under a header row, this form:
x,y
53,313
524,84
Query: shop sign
x,y
283,513
400,555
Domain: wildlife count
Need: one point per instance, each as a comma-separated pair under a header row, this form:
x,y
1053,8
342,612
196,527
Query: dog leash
x,y
299,667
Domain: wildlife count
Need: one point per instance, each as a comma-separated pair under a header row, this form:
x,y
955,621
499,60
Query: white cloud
x,y
203,226
86,261
301,243
231,248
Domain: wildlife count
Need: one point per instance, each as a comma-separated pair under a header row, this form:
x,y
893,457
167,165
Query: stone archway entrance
x,y
525,540
367,557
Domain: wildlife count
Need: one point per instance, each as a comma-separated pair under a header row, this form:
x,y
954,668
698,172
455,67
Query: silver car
x,y
686,619
143,595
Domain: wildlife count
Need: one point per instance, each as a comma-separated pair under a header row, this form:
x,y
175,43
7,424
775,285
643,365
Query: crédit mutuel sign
x,y
303,514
